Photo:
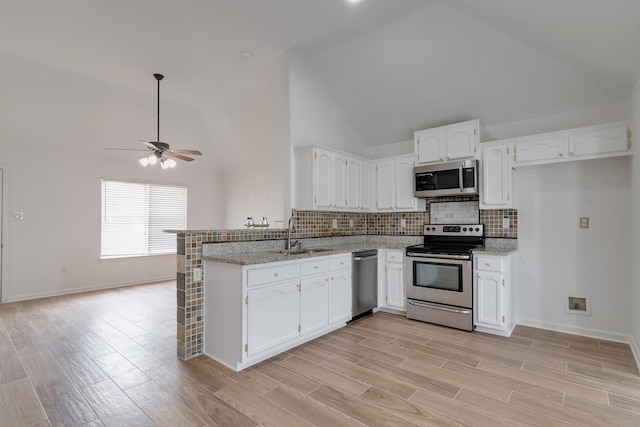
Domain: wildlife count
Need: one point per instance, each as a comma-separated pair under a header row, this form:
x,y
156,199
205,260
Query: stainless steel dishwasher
x,y
365,283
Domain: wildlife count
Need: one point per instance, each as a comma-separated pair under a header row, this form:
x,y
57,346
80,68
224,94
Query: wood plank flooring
x,y
107,358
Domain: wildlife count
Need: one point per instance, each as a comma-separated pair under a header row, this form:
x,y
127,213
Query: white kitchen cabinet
x,y
273,314
394,185
494,309
353,184
497,178
338,180
592,142
447,143
253,312
314,303
600,141
329,180
391,293
340,289
366,185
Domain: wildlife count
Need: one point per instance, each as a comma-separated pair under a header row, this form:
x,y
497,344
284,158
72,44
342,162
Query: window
x,y
135,214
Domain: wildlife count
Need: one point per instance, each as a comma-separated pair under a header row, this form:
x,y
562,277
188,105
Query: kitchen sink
x,y
303,251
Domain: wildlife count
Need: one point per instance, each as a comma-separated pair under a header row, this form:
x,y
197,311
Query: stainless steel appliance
x,y
439,275
446,179
365,283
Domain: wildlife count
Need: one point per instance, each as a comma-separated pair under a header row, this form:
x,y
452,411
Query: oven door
x,y
439,280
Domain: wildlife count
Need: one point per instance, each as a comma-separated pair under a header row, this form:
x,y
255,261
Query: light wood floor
x,y
108,358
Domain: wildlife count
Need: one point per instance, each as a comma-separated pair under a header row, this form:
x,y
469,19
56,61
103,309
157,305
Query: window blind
x,y
134,215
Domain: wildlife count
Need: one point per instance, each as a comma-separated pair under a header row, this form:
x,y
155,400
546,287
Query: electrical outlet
x,y
584,222
197,274
334,223
505,222
351,222
17,216
403,222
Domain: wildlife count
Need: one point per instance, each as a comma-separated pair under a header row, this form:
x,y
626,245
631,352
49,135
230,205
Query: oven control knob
x,y
464,229
477,229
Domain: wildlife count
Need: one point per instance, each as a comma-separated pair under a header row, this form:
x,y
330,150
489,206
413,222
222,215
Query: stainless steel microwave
x,y
447,179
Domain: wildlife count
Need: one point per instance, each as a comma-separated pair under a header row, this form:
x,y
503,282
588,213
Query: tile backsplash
x,y
454,212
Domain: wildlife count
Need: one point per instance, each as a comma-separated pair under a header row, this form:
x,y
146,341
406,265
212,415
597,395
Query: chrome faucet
x,y
291,229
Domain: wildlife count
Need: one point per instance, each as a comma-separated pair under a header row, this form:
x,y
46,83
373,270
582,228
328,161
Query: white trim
x,y
4,224
634,349
89,288
575,330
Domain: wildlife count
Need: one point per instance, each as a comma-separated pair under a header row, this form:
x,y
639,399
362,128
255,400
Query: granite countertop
x,y
494,251
250,258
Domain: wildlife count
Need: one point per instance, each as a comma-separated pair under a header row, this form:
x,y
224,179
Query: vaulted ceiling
x,y
393,66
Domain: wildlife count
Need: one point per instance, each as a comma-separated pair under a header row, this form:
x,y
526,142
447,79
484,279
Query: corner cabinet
x,y
391,293
494,302
394,185
447,143
496,190
253,312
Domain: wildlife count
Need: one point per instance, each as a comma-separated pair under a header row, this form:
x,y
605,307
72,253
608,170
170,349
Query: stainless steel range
x,y
439,275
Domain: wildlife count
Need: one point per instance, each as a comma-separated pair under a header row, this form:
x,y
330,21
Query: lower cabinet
x,y
391,293
494,304
253,312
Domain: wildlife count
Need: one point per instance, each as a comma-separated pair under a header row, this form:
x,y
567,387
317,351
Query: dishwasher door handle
x,y
363,258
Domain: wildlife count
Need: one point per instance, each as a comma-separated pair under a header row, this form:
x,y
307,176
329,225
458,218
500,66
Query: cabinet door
x,y
404,183
600,142
489,307
461,142
385,184
353,183
395,285
366,181
314,303
339,296
496,177
322,179
430,145
273,314
541,150
339,180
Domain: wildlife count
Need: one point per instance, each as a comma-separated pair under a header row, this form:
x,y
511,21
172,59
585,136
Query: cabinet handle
x,y
560,154
487,264
571,153
275,274
502,282
502,319
315,266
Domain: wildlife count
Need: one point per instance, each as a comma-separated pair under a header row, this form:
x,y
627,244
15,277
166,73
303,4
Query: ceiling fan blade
x,y
127,149
179,157
149,144
181,151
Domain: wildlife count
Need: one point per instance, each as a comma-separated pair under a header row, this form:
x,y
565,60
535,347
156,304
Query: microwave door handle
x,y
460,177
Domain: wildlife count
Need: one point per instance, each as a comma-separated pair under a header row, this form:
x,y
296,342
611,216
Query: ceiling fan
x,y
158,150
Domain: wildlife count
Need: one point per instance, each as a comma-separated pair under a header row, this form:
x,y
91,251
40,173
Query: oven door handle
x,y
364,258
440,256
439,307
460,177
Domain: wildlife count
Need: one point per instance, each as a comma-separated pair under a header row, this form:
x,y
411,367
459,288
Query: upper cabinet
x,y
446,143
613,139
326,179
496,183
394,185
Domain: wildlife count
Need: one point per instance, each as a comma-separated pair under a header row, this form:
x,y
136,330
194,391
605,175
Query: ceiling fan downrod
x,y
158,78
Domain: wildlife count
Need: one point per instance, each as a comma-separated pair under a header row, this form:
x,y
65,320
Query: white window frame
x,y
134,215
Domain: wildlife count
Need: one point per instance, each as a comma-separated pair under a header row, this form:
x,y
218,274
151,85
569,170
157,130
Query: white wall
x,y
558,259
53,128
635,226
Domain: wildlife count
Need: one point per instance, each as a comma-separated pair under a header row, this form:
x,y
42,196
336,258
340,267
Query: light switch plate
x,y
334,223
505,222
17,216
403,222
584,222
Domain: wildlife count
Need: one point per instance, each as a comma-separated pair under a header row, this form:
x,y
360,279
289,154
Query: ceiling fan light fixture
x,y
152,159
144,160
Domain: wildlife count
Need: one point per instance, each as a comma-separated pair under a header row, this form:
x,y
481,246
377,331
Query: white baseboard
x,y
634,349
60,292
570,329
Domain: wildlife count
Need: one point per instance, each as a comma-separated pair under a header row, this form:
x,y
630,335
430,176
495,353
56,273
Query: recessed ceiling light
x,y
184,89
246,54
354,1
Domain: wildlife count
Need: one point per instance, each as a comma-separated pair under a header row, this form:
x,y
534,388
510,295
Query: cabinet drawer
x,y
489,264
272,273
394,256
314,266
340,262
